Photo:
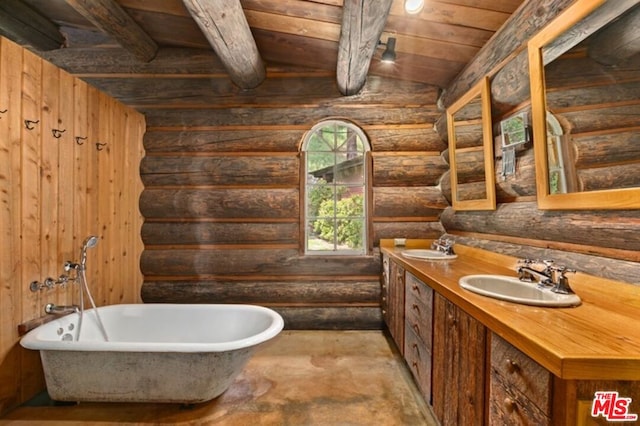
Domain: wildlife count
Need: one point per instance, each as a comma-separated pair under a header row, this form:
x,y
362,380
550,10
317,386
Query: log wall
x,y
55,192
222,203
222,200
600,242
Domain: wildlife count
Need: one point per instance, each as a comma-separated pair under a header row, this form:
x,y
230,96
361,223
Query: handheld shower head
x,y
89,242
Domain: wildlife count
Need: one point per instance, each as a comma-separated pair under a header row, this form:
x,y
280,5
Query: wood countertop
x,y
598,340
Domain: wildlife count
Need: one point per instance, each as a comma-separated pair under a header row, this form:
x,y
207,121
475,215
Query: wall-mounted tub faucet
x,y
49,283
50,308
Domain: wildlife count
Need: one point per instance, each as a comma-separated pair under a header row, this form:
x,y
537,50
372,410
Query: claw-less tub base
x,y
156,352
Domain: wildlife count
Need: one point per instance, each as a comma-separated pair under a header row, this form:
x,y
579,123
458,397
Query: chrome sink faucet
x,y
550,276
444,245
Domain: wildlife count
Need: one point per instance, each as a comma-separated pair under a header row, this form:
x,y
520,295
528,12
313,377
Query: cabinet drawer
x,y
419,308
418,359
512,408
520,376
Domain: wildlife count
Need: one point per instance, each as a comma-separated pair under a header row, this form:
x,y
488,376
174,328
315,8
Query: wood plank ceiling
x,y
432,47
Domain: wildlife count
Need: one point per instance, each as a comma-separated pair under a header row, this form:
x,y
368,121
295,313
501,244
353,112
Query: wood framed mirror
x,y
585,107
471,150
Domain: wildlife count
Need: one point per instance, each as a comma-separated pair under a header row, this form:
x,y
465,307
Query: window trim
x,y
366,190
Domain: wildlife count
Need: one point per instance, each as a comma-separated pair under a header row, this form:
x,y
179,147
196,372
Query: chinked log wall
x,y
599,242
222,199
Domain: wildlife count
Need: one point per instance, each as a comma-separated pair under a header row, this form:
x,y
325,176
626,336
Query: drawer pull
x,y
416,328
512,366
415,288
416,308
510,405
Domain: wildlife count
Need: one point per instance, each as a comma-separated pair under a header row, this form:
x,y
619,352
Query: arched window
x,y
335,166
556,160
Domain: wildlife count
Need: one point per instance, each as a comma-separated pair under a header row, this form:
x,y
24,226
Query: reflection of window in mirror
x,y
557,180
514,130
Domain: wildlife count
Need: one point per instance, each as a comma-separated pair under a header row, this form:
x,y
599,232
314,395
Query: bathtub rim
x,y
32,341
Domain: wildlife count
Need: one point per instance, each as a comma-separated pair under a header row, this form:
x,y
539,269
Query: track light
x,y
389,54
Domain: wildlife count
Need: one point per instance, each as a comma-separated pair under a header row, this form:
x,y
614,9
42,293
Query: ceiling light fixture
x,y
413,7
389,54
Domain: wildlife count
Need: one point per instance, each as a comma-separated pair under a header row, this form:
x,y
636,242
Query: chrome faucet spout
x,y
52,309
529,274
444,245
551,276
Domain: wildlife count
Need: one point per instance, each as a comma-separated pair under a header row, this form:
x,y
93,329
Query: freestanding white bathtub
x,y
156,352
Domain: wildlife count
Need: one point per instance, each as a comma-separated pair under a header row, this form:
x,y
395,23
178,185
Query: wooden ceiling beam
x,y
110,18
24,25
225,26
362,25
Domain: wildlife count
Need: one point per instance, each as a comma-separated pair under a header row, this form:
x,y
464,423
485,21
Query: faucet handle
x,y
562,269
561,281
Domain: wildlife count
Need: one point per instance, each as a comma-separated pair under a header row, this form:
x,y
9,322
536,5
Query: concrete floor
x,y
299,378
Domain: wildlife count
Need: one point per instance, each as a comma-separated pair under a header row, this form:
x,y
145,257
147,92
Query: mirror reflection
x,y
591,106
593,112
471,151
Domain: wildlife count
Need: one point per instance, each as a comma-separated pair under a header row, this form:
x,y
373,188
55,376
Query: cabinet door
x,y
459,348
384,289
396,304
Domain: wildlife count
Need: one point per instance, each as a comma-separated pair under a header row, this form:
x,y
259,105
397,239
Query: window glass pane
x,y
320,198
321,165
351,144
335,205
351,231
317,143
350,171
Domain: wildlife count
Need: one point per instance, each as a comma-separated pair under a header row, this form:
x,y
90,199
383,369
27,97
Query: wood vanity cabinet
x,y
393,300
459,348
418,332
519,387
469,374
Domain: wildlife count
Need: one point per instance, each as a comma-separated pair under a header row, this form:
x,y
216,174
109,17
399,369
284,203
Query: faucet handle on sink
x,y
561,281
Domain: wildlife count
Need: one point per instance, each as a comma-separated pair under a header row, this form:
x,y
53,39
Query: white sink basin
x,y
513,290
426,254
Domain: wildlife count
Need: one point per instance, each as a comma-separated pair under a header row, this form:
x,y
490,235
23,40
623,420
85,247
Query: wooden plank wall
x,y
222,182
54,193
600,242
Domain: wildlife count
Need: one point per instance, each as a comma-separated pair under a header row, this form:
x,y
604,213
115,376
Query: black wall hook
x,y
99,146
3,111
57,133
80,140
29,124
